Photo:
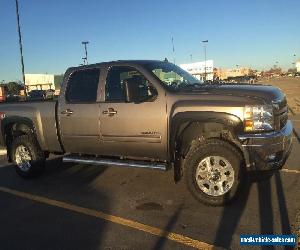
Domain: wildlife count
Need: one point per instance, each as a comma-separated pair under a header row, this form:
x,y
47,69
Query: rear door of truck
x,y
78,111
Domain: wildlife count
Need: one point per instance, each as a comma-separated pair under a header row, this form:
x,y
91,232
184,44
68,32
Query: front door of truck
x,y
132,129
78,112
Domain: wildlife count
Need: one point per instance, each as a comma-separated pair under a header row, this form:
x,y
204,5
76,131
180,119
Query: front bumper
x,y
267,151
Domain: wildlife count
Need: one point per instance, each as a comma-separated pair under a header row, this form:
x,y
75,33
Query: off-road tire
x,y
201,149
37,155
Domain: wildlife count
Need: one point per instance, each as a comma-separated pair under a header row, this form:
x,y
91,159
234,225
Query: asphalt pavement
x,y
88,207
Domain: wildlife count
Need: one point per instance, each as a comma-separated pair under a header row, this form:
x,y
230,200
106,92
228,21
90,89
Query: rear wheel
x,y
213,172
27,156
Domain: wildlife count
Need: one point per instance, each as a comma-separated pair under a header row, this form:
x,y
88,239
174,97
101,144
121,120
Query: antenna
x,y
173,48
85,59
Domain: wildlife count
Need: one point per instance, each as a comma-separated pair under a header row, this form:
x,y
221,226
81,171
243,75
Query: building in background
x,y
197,69
223,74
39,81
298,66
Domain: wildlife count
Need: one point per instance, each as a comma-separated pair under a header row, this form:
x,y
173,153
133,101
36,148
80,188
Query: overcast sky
x,y
247,33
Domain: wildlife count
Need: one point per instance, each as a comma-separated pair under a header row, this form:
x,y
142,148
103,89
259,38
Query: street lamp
x,y
204,45
85,59
20,45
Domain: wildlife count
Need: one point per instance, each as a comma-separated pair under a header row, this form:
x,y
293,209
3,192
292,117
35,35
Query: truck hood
x,y
268,93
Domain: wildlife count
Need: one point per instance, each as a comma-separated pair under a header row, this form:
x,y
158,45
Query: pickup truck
x,y
152,114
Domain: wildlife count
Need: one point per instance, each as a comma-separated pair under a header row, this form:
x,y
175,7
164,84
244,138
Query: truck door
x,y
132,129
78,112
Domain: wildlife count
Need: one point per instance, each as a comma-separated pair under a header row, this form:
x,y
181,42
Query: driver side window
x,y
118,76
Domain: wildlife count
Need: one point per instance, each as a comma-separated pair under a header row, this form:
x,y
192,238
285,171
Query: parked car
x,y
12,98
129,114
2,94
49,94
36,95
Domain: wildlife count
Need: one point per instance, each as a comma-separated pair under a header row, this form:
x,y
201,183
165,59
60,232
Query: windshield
x,y
172,76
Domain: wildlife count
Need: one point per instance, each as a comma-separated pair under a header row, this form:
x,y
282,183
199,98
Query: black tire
x,y
37,162
213,147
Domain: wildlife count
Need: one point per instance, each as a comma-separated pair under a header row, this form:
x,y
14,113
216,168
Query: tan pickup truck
x,y
153,114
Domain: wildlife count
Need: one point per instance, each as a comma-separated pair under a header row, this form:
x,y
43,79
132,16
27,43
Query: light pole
x,y
191,58
204,45
85,59
20,45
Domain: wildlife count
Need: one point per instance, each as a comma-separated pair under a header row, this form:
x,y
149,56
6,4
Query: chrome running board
x,y
114,162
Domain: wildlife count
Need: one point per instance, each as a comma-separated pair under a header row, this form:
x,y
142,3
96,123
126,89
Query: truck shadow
x,y
266,202
85,173
72,183
65,229
160,243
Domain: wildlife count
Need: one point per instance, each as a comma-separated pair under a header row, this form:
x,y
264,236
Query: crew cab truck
x,y
153,114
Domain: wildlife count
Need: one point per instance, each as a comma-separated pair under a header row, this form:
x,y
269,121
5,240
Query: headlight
x,y
258,118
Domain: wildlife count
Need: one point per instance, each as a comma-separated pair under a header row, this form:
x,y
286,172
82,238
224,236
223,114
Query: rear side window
x,y
82,86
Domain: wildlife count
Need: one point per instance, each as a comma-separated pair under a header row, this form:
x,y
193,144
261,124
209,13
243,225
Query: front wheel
x,y
27,156
213,171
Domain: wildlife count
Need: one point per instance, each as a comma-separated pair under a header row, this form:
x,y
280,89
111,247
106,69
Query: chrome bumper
x,y
267,151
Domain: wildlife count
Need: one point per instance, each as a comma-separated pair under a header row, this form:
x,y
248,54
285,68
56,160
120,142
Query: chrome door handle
x,y
67,112
109,112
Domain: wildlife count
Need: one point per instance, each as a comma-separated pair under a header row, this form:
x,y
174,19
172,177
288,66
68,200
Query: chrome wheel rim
x,y
23,158
214,175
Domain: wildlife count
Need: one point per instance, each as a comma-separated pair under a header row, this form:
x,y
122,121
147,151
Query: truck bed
x,y
44,118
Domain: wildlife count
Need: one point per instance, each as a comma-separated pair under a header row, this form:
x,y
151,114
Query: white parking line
x,y
295,171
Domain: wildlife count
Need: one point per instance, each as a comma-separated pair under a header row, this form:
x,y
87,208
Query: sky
x,y
254,33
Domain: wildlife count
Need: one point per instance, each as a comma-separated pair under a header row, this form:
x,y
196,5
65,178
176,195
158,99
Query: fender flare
x,y
16,119
194,123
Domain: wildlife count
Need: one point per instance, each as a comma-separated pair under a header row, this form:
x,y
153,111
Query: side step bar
x,y
114,162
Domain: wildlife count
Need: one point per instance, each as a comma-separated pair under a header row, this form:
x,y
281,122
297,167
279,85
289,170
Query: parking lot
x,y
88,207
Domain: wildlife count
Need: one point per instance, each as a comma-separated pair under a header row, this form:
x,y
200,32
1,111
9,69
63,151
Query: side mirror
x,y
152,92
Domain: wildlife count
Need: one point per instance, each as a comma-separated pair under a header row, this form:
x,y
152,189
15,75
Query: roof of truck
x,y
117,62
